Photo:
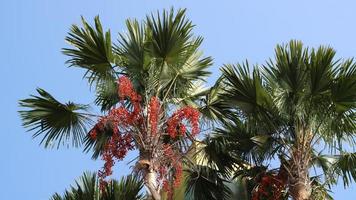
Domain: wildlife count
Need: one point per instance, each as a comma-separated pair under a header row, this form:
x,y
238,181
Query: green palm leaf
x,y
53,121
132,49
128,188
97,145
205,183
161,56
92,51
322,70
343,90
213,106
176,56
87,188
319,190
106,94
171,35
344,167
244,90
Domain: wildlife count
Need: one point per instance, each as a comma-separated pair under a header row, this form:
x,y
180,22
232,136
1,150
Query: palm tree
x,y
87,188
292,109
160,57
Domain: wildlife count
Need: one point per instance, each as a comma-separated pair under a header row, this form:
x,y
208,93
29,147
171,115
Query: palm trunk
x,y
299,181
150,183
300,191
149,176
299,185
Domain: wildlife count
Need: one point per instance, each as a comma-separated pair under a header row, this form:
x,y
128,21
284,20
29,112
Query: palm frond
x,y
97,145
92,51
289,68
319,190
171,35
128,188
213,107
245,92
106,94
176,53
205,183
57,196
322,70
340,117
246,144
215,153
288,76
343,90
193,97
344,167
186,74
325,163
161,56
55,122
135,58
87,188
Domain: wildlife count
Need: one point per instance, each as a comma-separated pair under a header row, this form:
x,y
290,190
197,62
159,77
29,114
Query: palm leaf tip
x,y
55,122
87,188
91,50
176,51
129,187
344,167
170,33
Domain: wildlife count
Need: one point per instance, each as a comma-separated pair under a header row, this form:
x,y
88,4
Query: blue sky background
x,y
32,35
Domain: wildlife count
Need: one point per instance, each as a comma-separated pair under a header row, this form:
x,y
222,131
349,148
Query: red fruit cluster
x,y
126,89
270,188
94,132
153,112
178,174
124,124
116,148
118,119
175,126
176,166
167,187
98,128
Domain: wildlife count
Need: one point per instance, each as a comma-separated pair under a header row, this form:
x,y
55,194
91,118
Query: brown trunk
x,y
299,181
300,191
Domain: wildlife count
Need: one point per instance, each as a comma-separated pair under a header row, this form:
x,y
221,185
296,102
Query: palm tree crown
x,y
290,108
154,68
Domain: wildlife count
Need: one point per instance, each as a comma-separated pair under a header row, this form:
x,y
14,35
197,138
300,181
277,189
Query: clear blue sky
x,y
32,34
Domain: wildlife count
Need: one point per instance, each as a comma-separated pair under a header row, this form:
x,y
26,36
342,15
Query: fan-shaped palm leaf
x,y
54,121
205,183
161,56
106,94
344,167
87,188
97,145
92,51
128,188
